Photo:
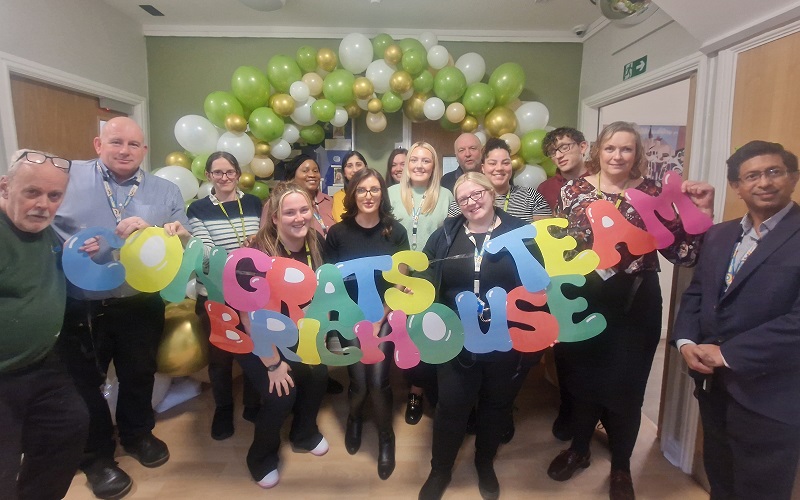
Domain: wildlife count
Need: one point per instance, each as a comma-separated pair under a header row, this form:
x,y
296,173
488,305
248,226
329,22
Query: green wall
x,y
183,71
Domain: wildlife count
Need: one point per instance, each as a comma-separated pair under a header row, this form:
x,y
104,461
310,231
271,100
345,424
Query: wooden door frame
x,y
10,64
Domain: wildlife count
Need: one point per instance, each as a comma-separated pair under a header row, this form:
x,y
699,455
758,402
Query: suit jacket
x,y
756,321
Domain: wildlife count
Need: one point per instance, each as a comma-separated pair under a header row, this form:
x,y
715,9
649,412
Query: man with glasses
x,y
123,325
44,419
468,154
738,329
566,147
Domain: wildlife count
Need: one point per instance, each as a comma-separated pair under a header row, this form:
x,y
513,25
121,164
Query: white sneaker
x,y
270,480
321,449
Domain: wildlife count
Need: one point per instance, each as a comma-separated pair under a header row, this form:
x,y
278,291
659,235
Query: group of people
x,y
50,396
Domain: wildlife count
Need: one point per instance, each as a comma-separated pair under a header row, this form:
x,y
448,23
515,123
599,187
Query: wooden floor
x,y
201,468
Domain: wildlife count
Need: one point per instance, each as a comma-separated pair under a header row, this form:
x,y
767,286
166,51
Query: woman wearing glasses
x,y
351,163
420,204
459,263
606,375
304,171
226,218
368,229
395,166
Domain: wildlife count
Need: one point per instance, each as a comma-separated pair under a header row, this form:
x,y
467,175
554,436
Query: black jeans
x,y
622,427
44,417
128,332
372,380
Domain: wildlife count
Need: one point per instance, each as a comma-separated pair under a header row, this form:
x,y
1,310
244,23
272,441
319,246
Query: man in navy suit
x,y
738,329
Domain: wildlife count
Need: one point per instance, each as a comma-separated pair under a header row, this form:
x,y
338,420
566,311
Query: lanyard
x,y
478,257
308,253
110,194
241,218
733,267
319,218
507,197
415,211
602,195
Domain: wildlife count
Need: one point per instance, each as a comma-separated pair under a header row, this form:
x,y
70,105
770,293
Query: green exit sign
x,y
635,68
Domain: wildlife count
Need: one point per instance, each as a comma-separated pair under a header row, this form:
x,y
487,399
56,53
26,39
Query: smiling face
x,y
307,177
32,195
224,177
420,166
617,155
768,194
398,164
121,147
368,196
293,218
475,202
353,165
497,168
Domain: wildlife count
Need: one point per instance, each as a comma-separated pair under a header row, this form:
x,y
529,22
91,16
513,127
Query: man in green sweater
x,y
44,420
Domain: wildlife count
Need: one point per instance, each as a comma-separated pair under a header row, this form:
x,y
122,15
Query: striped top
x,y
523,203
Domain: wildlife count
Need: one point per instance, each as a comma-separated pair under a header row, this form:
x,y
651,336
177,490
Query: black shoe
x,y
352,435
250,413
508,435
414,409
435,485
621,487
107,480
566,464
385,454
222,425
334,387
148,450
488,485
472,422
561,428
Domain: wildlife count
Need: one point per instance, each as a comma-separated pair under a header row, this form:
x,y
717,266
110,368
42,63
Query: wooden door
x,y
443,141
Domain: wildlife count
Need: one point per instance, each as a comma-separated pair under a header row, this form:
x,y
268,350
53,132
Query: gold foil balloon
x,y
178,158
184,345
283,104
353,111
246,181
469,124
363,88
393,54
455,112
326,59
401,82
414,107
262,167
374,105
262,148
499,121
513,142
314,83
517,162
235,123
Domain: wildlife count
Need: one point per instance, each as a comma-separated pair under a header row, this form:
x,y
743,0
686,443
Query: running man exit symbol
x,y
635,68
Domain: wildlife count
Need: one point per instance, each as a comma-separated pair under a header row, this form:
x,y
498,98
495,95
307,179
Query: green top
x,y
32,295
428,223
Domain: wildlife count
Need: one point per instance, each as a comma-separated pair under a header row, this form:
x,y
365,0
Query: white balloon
x,y
433,108
407,94
379,73
481,135
291,133
181,177
376,122
355,53
530,176
280,149
196,134
340,117
204,190
473,66
299,91
302,114
191,290
246,168
438,57
363,103
531,116
239,145
428,39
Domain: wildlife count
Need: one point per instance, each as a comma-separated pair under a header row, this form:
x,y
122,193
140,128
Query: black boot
x,y
414,408
385,454
352,435
487,481
435,485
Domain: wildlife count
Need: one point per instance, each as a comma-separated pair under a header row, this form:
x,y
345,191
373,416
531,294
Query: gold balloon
x,y
363,88
262,167
246,181
235,123
393,54
179,159
499,121
353,111
314,82
376,122
326,59
455,112
282,104
469,124
262,148
374,105
401,82
414,107
517,163
184,345
513,142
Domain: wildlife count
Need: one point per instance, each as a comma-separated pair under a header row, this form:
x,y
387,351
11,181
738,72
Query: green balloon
x,y
424,82
282,72
379,44
507,81
265,124
549,166
408,44
338,87
219,105
478,99
449,126
250,85
391,102
449,84
530,146
259,189
414,62
307,58
323,109
187,203
313,134
199,166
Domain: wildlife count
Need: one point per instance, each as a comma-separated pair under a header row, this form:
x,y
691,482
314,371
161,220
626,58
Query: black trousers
x,y
373,381
303,400
746,455
128,332
44,417
424,376
463,383
621,425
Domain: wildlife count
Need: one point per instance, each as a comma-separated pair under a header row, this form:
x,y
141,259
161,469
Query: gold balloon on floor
x,y
178,158
499,121
184,346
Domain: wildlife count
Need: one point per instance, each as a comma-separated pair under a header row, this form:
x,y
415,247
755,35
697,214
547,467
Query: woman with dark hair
x,y
226,218
368,229
286,386
303,170
352,162
607,374
395,166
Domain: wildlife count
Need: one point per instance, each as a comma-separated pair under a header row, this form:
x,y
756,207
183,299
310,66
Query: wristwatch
x,y
272,368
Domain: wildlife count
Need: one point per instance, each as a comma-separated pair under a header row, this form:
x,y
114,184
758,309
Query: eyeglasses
x,y
563,149
218,174
362,192
40,158
773,173
474,196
